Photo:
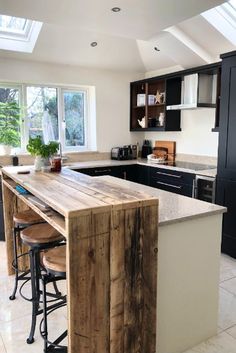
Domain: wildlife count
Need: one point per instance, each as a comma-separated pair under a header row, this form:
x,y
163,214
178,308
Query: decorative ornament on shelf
x,y
142,122
159,97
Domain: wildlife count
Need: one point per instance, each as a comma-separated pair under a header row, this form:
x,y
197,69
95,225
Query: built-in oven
x,y
204,188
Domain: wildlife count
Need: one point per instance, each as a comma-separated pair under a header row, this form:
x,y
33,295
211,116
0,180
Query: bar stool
x,y
21,220
54,261
39,237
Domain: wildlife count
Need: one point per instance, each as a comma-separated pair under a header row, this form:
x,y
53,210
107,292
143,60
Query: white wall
x,y
112,94
196,136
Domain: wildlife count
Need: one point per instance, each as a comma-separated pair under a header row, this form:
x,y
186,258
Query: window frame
x,y
24,129
86,119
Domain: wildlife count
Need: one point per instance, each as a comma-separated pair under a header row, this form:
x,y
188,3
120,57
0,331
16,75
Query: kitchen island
x,y
111,227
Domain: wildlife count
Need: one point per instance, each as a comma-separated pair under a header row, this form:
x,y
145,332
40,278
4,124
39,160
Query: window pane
x,y
12,23
74,114
9,117
42,112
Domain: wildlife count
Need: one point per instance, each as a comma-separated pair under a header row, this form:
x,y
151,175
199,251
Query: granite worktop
x,y
173,208
112,163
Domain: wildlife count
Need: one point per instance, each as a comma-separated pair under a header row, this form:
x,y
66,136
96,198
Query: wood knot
x,y
155,250
91,253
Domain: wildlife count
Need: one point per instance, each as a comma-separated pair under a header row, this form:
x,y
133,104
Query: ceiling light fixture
x,y
157,49
116,9
93,44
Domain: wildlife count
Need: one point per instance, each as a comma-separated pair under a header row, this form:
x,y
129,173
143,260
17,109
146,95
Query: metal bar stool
x,y
21,220
39,237
54,261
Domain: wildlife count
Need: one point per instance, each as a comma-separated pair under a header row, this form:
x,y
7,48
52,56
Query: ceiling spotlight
x,y
116,9
157,49
93,44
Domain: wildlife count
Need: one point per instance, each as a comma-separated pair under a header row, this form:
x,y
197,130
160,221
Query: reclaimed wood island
x,y
115,304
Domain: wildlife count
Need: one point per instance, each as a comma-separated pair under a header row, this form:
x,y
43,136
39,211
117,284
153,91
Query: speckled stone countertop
x,y
112,163
173,208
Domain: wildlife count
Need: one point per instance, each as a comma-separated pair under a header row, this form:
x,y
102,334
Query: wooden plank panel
x,y
89,284
117,281
10,207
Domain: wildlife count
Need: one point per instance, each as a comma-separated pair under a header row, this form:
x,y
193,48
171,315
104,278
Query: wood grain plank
x,y
89,284
117,281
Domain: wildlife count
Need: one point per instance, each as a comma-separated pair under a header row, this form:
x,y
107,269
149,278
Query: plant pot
x,y
38,163
5,150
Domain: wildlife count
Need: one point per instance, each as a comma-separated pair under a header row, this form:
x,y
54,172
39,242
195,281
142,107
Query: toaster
x,y
124,153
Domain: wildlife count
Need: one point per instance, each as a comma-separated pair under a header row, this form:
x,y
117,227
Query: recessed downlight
x,y
156,48
116,9
94,44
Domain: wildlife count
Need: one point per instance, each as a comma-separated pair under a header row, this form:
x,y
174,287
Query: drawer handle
x,y
172,175
172,186
102,171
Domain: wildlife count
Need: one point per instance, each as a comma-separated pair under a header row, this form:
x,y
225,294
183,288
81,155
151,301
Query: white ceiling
x,y
125,39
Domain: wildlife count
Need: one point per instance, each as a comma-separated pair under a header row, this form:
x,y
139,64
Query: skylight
x,y
12,24
18,34
223,18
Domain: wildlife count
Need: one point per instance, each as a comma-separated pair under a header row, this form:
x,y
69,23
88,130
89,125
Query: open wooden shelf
x,y
50,216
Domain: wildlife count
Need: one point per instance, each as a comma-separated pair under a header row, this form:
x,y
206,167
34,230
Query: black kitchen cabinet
x,y
143,175
128,172
227,123
173,181
226,169
165,179
226,196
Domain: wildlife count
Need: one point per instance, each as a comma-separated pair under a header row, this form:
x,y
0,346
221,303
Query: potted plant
x,y
9,126
41,151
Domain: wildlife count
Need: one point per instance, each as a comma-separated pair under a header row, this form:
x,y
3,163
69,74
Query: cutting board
x,y
170,145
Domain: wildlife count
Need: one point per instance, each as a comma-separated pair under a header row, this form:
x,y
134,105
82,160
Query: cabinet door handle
x,y
102,171
171,175
172,186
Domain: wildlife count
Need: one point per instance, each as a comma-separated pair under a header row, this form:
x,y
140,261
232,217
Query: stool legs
x,y
15,262
35,293
51,346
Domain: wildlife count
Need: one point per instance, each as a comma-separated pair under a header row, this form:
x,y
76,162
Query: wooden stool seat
x,y
40,234
27,217
55,259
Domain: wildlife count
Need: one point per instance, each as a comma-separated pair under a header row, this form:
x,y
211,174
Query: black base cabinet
x,y
165,179
226,196
173,181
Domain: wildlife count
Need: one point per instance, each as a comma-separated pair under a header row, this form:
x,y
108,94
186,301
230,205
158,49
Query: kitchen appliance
x,y
197,90
204,188
146,149
126,152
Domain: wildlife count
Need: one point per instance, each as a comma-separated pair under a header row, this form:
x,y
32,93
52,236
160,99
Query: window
x,y
74,103
10,116
55,113
42,112
18,34
223,18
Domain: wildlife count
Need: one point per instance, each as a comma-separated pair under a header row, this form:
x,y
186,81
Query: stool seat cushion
x,y
27,217
40,234
55,259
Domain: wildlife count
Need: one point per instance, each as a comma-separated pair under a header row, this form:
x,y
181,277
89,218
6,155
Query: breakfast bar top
x,y
70,193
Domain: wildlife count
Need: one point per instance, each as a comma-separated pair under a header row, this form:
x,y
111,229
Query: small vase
x,y
38,163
